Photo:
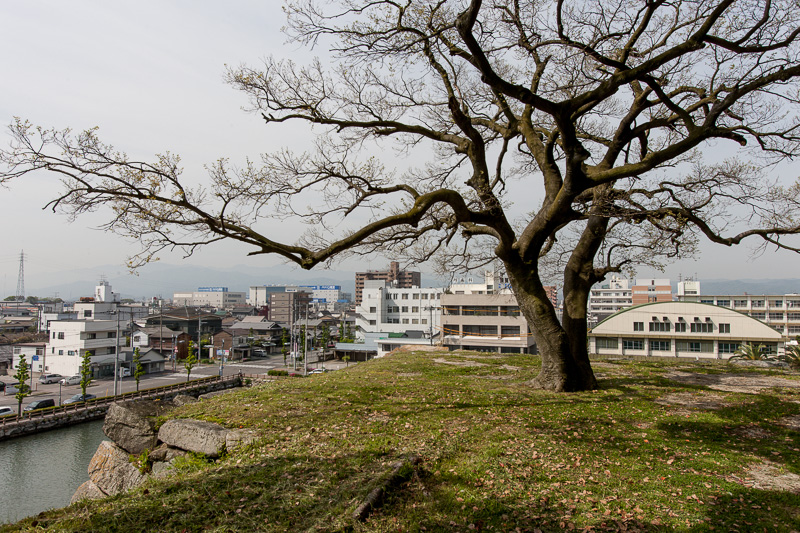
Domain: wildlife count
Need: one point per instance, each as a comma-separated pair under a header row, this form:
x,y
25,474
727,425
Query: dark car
x,y
40,404
2,386
78,398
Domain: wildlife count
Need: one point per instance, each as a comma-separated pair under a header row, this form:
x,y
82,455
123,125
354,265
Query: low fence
x,y
64,415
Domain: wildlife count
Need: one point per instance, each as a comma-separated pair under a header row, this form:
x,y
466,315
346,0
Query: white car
x,y
72,380
6,411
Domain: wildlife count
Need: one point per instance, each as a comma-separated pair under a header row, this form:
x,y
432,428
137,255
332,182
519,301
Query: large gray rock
x,y
111,471
131,425
87,491
164,453
194,436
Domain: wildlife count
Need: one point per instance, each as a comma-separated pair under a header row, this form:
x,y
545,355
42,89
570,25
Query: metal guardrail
x,y
53,412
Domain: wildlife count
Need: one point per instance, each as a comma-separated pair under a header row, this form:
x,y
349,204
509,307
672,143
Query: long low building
x,y
681,329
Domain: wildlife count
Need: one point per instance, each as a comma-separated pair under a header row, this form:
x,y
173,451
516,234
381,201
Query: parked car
x,y
78,398
50,378
72,380
2,386
6,411
11,388
40,404
124,372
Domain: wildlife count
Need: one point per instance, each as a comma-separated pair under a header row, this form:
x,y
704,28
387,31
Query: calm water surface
x,y
42,471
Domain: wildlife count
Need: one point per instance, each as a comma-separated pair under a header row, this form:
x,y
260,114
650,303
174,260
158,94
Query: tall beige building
x,y
402,279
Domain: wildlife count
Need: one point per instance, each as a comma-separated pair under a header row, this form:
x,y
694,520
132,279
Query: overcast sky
x,y
149,74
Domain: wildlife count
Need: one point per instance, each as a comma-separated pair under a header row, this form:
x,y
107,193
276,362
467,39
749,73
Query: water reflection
x,y
42,471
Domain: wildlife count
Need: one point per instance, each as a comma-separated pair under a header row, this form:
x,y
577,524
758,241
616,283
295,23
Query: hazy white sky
x,y
149,74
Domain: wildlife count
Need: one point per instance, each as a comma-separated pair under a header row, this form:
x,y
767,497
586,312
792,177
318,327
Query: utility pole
x,y
305,345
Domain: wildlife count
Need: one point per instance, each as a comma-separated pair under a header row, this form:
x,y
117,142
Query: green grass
x,y
496,454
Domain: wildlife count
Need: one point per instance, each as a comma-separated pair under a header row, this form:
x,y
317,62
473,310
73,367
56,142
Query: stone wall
x,y
138,451
61,417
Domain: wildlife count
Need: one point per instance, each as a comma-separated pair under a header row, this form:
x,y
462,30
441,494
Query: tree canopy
x,y
595,117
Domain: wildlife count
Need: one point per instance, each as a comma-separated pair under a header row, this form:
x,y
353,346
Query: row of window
x,y
480,310
666,345
402,309
750,303
680,327
89,336
414,296
401,321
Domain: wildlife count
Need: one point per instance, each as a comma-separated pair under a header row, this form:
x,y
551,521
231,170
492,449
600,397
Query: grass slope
x,y
496,454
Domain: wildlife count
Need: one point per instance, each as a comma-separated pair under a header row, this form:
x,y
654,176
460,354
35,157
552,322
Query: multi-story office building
x,y
608,298
286,307
328,297
401,279
780,311
69,340
486,323
216,297
648,290
391,309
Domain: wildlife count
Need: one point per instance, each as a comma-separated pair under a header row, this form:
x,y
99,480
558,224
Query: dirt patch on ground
x,y
754,432
790,422
476,356
768,476
443,361
502,377
688,400
746,383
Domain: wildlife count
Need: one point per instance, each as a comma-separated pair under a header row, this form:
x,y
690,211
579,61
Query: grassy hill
x,y
663,446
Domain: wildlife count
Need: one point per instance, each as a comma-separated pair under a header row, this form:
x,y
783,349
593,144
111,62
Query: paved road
x,y
105,387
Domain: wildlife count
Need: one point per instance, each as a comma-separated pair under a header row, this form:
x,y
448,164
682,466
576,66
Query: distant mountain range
x,y
162,279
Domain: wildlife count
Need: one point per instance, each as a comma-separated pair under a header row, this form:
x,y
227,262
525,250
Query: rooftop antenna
x,y
21,278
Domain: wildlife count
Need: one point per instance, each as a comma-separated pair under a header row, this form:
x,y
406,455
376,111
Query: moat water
x,y
42,471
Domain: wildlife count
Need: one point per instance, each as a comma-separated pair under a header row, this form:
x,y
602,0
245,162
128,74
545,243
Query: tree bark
x,y
565,367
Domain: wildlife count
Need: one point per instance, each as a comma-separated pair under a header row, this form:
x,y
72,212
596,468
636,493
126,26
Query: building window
x,y
724,303
405,309
415,309
404,296
509,311
90,336
604,342
632,344
740,303
424,321
728,347
373,309
794,330
659,346
775,316
680,327
695,346
415,321
87,313
61,352
702,327
776,303
659,326
415,296
793,316
724,328
638,326
61,335
706,301
405,321
112,334
424,295
792,303
758,303
509,331
372,323
759,316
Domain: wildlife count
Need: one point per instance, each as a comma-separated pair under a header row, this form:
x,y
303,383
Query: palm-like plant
x,y
792,355
751,352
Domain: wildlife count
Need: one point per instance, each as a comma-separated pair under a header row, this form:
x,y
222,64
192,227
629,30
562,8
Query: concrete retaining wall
x,y
69,415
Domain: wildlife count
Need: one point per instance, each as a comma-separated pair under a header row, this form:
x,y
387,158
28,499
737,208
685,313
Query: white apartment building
x,y
781,312
390,309
105,305
485,323
328,297
69,340
216,297
610,297
259,295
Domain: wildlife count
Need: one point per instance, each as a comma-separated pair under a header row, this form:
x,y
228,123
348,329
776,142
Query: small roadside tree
x,y
138,369
190,361
325,339
23,388
86,371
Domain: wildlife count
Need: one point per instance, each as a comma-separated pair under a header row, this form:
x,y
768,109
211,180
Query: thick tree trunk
x,y
563,369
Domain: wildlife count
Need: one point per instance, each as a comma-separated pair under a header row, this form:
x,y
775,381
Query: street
x,y
105,386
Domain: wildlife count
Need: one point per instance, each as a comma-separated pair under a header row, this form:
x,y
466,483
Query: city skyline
x,y
150,76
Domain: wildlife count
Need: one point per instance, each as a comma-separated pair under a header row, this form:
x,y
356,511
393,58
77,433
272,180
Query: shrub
x,y
275,372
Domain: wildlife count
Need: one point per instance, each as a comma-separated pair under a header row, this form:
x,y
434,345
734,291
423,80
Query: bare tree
x,y
596,116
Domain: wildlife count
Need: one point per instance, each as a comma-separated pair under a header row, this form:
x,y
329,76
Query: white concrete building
x,y
485,323
216,297
680,329
328,298
780,311
389,309
69,340
608,298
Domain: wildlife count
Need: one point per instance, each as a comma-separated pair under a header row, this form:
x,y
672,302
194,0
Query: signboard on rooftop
x,y
212,289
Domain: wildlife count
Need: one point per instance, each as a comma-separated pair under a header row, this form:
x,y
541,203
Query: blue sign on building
x,y
212,289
